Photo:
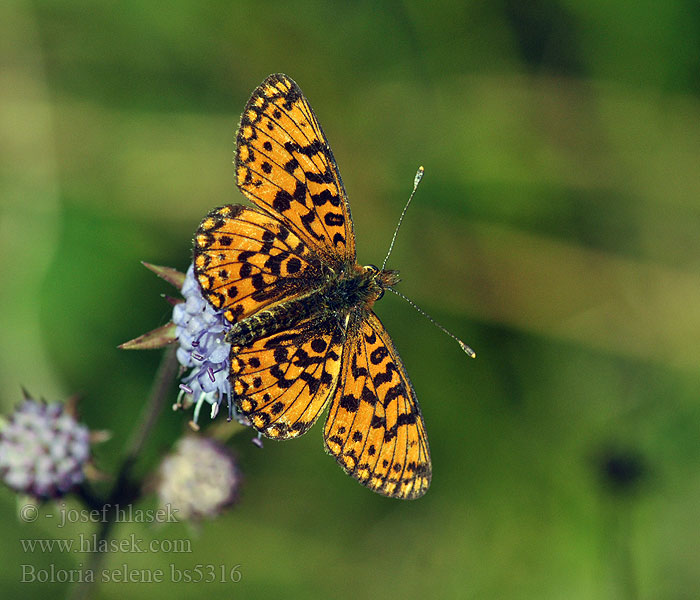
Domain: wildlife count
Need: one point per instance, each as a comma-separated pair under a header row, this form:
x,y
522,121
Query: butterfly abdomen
x,y
271,320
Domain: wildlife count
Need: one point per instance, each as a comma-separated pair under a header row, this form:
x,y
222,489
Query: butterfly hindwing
x,y
374,427
283,381
285,165
244,260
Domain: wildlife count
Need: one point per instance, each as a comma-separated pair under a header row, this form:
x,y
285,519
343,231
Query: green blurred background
x,y
556,231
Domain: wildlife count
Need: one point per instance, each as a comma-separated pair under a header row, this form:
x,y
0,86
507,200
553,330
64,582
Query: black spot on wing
x,y
325,177
291,165
349,403
384,377
378,355
293,265
318,345
282,202
325,196
406,419
334,219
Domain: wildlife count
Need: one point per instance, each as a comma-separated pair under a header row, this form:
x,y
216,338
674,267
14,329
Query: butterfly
x,y
303,334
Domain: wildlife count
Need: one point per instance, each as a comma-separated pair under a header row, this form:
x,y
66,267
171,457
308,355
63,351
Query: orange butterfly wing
x,y
282,382
375,428
245,260
285,166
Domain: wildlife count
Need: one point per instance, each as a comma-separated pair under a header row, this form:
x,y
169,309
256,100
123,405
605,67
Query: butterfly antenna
x,y
416,181
462,345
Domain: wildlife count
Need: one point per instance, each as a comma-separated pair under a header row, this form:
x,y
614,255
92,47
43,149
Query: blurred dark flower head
x,y
43,449
622,470
200,478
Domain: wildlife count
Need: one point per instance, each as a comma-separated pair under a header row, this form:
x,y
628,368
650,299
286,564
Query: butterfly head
x,y
379,280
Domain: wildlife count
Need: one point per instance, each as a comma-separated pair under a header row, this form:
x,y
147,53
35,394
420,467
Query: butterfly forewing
x,y
285,165
245,260
374,427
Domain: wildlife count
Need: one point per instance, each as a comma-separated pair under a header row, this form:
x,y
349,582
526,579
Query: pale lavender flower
x,y
201,331
43,450
199,479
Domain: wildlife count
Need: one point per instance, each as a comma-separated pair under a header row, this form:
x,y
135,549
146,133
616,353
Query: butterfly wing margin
x,y
283,381
375,428
285,165
245,260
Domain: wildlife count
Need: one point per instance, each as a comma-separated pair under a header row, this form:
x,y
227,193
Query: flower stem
x,y
125,489
151,411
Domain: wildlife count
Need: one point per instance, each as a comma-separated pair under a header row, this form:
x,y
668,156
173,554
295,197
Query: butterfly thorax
x,y
332,301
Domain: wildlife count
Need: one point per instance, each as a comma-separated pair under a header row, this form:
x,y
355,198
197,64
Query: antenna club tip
x,y
418,177
467,349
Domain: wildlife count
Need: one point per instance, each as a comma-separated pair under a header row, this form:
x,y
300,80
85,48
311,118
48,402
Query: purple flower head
x,y
203,350
43,450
